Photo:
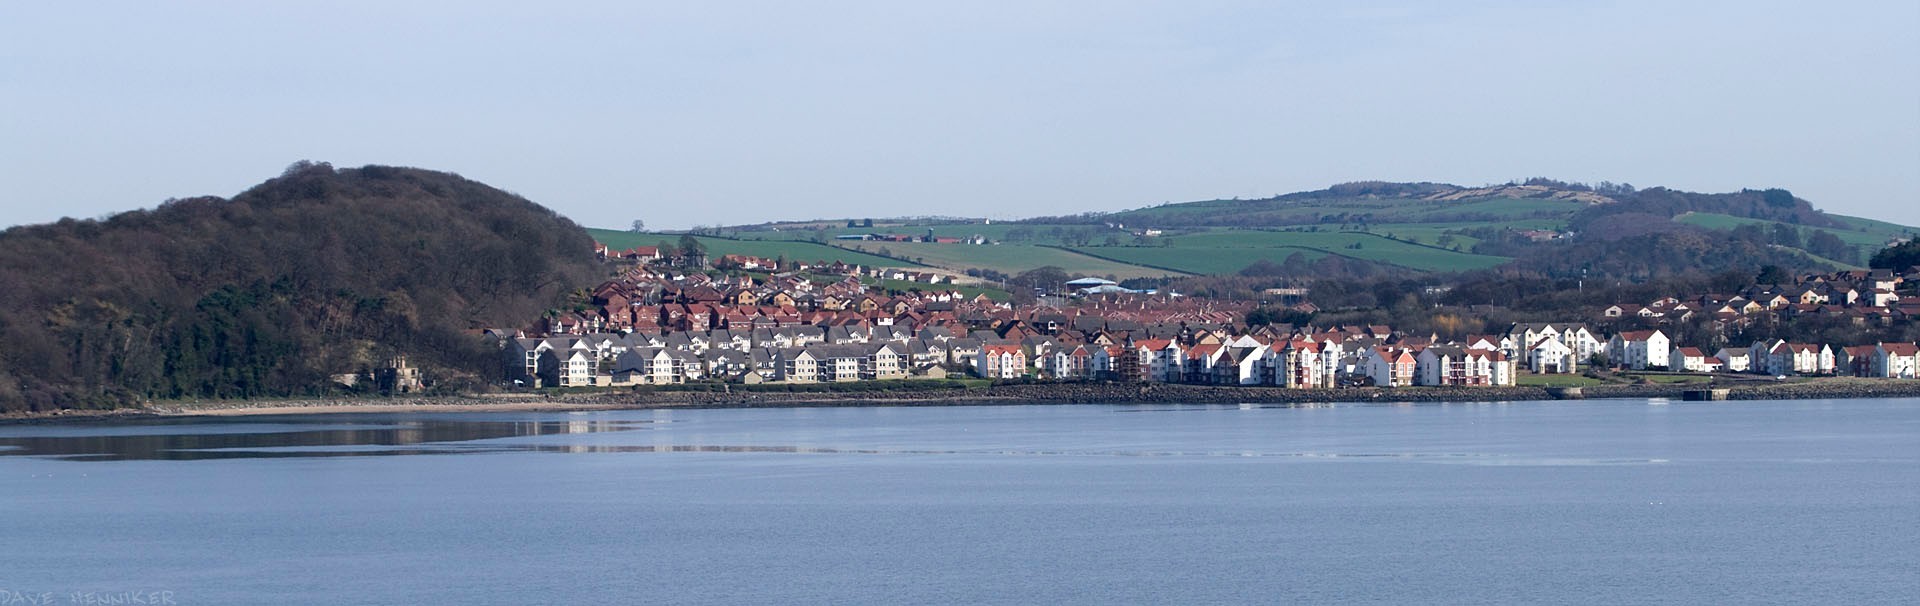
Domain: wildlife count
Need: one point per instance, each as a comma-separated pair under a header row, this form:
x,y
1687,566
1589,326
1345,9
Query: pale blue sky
x,y
698,112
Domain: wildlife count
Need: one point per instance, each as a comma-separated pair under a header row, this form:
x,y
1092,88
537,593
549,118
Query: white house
x,y
1297,364
1457,366
1798,358
650,366
1241,366
1167,365
572,366
1550,356
1897,361
1388,367
1583,342
1735,359
1689,359
1641,349
1001,362
797,365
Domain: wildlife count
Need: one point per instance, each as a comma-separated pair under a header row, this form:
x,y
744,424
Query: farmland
x,y
1100,250
1084,249
1423,227
1278,212
1200,260
1227,251
1008,258
794,250
1013,233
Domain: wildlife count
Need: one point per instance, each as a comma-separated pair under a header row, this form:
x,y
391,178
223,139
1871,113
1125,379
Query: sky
x,y
709,113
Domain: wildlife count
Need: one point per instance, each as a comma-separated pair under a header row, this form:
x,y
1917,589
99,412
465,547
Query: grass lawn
x,y
1671,379
1533,380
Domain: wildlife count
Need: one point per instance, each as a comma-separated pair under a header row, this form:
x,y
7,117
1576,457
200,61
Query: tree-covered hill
x,y
314,273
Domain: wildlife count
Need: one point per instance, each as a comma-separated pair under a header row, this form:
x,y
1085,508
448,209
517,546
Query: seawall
x,y
1044,393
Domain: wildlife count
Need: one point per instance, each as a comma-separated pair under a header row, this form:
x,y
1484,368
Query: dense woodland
x,y
315,273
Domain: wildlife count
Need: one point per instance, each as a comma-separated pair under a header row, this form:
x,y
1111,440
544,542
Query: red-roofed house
x,y
1854,361
1897,361
1640,349
1689,359
1389,367
1002,362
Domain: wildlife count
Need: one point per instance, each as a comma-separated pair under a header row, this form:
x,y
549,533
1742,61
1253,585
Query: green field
x,y
1431,233
1877,227
1532,380
1009,258
998,232
1202,251
1670,379
1305,212
1227,251
792,250
1407,232
1200,260
1868,234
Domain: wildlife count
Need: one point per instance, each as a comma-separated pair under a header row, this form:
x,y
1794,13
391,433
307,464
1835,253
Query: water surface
x,y
1603,502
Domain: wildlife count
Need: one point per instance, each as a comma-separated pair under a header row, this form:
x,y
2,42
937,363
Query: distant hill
x,y
1539,225
1501,222
1369,202
1380,202
314,273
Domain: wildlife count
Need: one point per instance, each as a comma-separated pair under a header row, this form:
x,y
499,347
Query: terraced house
x,y
698,327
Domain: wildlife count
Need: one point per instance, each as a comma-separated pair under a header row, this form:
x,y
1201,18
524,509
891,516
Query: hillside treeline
x,y
1380,202
315,273
1769,204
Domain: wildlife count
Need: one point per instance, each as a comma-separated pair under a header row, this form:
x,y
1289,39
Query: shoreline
x,y
1035,394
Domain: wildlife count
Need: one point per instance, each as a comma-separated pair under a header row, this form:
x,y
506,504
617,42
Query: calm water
x,y
1600,502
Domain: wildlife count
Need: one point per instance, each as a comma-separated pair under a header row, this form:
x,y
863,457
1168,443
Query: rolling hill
x,y
794,250
314,273
1539,224
1372,203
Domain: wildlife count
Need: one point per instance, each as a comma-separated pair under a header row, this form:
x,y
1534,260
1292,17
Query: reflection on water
x,y
1595,501
291,439
303,438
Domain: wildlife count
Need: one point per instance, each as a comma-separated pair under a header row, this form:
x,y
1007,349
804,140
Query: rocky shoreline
x,y
1055,393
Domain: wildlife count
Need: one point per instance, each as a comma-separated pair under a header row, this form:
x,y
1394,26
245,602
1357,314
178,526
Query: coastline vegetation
x,y
272,293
